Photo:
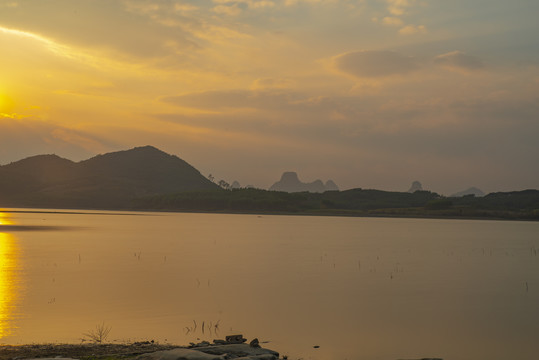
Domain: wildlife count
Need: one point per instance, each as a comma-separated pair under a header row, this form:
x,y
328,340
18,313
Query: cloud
x,y
271,83
295,2
398,7
392,21
233,99
251,4
21,138
374,64
413,29
232,10
9,4
261,4
459,61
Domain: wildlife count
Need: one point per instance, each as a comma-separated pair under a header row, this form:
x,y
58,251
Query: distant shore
x,y
410,213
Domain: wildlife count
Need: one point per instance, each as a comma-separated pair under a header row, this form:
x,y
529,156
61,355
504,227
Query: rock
x,y
238,350
254,343
200,344
53,358
235,339
259,357
180,354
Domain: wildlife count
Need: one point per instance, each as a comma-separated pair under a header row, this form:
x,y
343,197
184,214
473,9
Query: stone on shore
x,y
238,350
259,357
180,354
52,358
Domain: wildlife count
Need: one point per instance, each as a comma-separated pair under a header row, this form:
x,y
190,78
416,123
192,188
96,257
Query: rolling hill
x,y
110,180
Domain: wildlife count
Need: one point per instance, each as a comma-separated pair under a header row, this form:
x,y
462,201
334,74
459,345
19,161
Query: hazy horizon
x,y
299,178
369,94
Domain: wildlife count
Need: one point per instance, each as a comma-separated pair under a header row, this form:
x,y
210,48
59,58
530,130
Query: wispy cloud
x,y
398,11
399,7
392,21
373,64
231,10
460,61
413,29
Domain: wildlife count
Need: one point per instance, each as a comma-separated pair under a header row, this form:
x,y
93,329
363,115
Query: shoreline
x,y
81,351
150,349
382,213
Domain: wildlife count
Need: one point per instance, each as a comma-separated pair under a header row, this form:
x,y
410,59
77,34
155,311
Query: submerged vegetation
x,y
100,334
522,205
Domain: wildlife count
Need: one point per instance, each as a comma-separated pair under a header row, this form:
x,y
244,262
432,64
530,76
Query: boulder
x,y
235,339
180,354
239,350
254,343
259,357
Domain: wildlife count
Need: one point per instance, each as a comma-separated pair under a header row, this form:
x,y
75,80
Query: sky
x,y
368,93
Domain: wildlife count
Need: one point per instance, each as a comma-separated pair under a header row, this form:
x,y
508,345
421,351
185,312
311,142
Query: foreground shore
x,y
140,350
80,351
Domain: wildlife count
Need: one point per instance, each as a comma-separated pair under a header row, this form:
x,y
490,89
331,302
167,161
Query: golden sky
x,y
369,93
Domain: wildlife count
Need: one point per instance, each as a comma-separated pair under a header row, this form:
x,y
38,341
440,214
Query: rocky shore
x,y
234,347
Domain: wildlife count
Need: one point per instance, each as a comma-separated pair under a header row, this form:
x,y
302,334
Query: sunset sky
x,y
368,93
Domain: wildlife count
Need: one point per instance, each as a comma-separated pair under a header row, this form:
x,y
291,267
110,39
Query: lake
x,y
359,288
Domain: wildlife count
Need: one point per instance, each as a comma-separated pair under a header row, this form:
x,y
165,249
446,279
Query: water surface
x,y
360,288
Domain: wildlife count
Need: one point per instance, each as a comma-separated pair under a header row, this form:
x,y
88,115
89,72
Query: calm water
x,y
360,288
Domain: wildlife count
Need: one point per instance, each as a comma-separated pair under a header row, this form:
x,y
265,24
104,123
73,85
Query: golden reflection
x,y
5,219
9,258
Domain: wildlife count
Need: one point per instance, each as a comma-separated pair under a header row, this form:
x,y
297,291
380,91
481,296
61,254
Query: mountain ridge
x,y
108,180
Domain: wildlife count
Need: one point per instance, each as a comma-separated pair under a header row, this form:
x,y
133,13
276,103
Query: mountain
x,y
471,191
290,183
105,181
331,186
416,186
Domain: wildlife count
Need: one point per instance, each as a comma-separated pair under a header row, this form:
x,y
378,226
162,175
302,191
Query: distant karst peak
x,y
470,191
289,176
290,182
416,186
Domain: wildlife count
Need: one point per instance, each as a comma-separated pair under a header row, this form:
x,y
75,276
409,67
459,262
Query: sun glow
x,y
57,48
9,255
6,104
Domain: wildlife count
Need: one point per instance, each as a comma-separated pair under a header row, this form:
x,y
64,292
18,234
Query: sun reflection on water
x,y
5,219
9,258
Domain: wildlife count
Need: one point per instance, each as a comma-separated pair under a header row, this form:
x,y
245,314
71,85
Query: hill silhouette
x,y
470,191
105,181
